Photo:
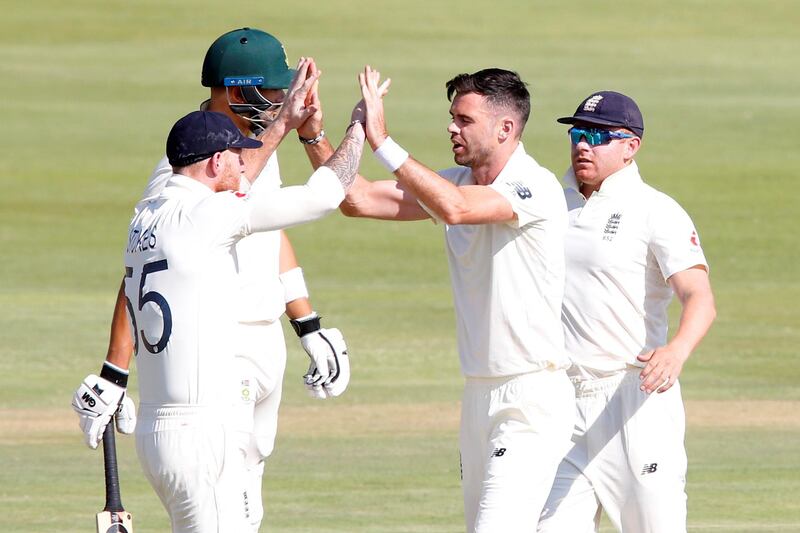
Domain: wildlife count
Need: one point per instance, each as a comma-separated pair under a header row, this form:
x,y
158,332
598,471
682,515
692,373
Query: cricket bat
x,y
113,518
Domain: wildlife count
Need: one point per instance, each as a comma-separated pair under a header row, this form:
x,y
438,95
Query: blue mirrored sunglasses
x,y
596,136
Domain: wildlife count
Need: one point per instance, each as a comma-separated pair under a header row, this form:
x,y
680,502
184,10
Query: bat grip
x,y
113,498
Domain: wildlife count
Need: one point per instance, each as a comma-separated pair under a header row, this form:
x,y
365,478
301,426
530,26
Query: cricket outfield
x,y
91,88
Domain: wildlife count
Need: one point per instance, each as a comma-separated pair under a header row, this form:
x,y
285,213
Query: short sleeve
x,y
674,240
534,195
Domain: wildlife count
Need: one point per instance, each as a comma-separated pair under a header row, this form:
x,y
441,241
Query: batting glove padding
x,y
329,371
96,401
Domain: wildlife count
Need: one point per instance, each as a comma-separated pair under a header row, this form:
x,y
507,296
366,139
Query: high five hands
x,y
371,104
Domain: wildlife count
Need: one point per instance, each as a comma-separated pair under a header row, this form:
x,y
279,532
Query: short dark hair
x,y
502,88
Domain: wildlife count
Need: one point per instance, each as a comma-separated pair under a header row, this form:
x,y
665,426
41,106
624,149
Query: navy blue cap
x,y
608,108
201,134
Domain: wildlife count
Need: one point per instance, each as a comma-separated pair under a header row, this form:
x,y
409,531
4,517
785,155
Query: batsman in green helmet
x,y
250,66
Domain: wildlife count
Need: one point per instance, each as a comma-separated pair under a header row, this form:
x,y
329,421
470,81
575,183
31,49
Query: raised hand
x,y
373,93
312,127
296,110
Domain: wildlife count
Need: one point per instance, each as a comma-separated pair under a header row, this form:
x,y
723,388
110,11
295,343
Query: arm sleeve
x,y
290,206
674,240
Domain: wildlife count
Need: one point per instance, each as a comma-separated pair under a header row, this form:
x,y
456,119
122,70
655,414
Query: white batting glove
x,y
126,416
329,371
96,401
338,381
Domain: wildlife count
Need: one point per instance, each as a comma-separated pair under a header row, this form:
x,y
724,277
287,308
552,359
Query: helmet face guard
x,y
257,109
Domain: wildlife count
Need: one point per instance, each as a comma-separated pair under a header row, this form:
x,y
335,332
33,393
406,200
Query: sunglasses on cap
x,y
596,136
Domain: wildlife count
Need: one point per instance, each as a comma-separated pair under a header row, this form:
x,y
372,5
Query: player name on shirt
x,y
140,241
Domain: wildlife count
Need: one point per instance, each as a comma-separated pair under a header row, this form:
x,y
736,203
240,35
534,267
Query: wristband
x,y
391,155
294,285
305,325
114,374
315,140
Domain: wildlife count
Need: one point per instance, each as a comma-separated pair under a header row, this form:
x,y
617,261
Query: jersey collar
x,y
190,184
517,157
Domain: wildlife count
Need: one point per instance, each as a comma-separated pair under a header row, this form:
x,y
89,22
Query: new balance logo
x,y
499,452
649,469
522,191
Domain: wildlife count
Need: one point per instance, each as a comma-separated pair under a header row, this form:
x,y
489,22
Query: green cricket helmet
x,y
249,59
251,56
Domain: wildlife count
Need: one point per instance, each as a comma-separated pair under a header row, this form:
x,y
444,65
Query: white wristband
x,y
391,155
294,285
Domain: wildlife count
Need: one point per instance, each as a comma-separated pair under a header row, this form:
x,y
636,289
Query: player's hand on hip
x,y
295,109
373,92
663,367
95,402
329,371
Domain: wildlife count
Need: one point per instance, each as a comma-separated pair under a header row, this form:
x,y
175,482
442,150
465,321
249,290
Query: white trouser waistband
x,y
589,387
178,411
499,380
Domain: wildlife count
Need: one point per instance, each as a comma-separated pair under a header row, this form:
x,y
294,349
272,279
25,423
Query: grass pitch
x,y
91,88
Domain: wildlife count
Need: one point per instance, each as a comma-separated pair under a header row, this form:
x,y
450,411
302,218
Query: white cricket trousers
x,y
261,362
627,457
196,466
514,432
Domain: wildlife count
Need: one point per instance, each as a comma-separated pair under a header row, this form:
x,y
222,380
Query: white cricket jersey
x,y
182,284
508,278
257,255
623,243
180,278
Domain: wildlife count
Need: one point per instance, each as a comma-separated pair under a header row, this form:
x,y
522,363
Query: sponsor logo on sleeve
x,y
522,191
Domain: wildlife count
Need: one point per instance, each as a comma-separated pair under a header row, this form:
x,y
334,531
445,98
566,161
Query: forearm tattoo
x,y
344,161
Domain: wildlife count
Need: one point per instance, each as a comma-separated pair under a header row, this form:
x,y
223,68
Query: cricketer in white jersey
x,y
188,391
270,277
183,280
628,247
504,222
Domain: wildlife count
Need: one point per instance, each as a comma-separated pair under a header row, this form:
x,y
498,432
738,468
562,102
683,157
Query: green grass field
x,y
89,90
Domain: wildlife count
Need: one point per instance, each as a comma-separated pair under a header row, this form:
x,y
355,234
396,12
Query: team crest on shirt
x,y
612,225
695,239
522,191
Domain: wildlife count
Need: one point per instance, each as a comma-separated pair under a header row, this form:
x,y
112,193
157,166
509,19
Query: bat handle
x,y
113,498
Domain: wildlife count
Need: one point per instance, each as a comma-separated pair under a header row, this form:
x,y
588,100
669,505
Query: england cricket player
x,y
181,291
247,73
504,219
628,248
